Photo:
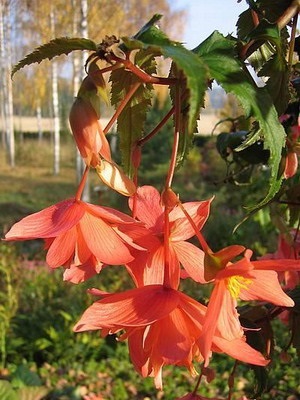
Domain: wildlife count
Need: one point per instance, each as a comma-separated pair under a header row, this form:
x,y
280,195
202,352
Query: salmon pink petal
x,y
239,350
191,258
62,248
82,252
228,320
277,265
105,148
136,307
211,320
153,270
47,223
110,215
266,287
181,229
80,273
229,253
291,165
148,206
135,345
103,242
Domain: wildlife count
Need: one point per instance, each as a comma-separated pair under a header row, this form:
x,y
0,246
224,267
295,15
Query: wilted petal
x,y
114,177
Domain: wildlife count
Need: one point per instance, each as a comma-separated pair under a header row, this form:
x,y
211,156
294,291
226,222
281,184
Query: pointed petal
x,y
148,207
103,242
191,258
239,350
62,249
80,273
136,307
49,222
181,229
266,287
211,320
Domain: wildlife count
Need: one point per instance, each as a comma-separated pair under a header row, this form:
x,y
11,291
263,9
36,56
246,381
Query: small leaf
x,y
219,54
55,47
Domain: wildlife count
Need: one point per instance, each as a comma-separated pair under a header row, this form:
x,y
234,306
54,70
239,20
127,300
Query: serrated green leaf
x,y
220,56
55,47
130,125
192,67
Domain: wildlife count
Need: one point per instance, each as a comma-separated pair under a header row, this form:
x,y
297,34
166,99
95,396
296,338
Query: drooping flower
x,y
79,235
244,279
85,125
149,210
163,326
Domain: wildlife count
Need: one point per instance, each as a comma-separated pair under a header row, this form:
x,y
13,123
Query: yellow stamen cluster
x,y
236,283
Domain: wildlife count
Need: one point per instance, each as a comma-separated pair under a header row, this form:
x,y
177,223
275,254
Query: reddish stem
x,y
146,78
122,105
172,165
150,135
199,235
82,183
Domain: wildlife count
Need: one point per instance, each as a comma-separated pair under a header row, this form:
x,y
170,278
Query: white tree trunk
x,y
39,122
5,44
55,105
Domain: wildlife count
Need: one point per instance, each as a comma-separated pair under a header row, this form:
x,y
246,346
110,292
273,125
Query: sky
x,y
205,16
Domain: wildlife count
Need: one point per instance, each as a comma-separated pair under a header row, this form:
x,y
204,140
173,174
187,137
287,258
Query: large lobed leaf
x,y
218,53
55,47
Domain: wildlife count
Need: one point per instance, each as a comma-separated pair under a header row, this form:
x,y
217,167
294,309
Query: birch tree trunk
x,y
6,46
55,105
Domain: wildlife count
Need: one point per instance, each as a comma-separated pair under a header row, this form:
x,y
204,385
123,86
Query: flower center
x,y
236,283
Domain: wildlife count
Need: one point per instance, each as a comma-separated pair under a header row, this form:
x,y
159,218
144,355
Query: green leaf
x,y
6,391
32,393
130,125
192,67
219,54
23,376
55,47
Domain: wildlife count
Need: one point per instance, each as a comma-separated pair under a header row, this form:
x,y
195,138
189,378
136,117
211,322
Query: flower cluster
x,y
160,244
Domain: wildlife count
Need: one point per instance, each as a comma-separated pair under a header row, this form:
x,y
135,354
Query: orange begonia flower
x,y
163,326
79,235
244,279
150,211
